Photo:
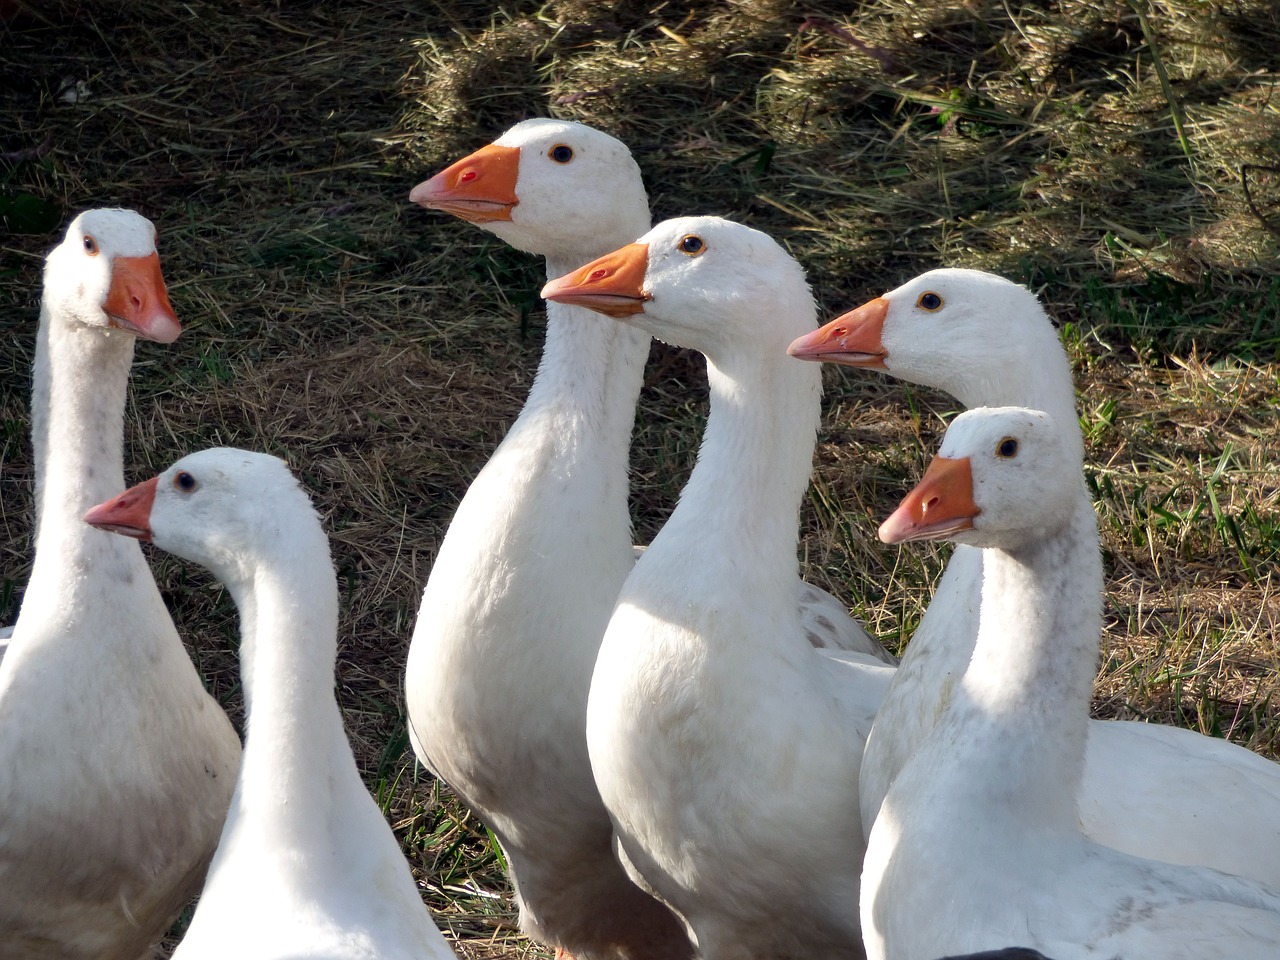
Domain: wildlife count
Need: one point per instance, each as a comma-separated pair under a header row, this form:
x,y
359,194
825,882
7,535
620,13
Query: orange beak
x,y
612,285
479,188
129,513
940,505
138,301
852,339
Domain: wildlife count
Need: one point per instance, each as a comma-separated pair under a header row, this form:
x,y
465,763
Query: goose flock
x,y
684,750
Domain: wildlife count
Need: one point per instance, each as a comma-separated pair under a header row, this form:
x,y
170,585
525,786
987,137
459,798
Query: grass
x,y
1119,159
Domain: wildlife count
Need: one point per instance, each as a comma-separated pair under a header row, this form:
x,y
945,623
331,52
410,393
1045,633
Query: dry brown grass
x,y
383,351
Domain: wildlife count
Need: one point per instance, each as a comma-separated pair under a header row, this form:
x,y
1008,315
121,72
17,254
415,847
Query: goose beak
x,y
137,300
852,339
940,505
480,188
612,285
128,514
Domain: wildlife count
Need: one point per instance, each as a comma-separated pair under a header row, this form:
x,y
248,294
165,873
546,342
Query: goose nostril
x,y
928,505
467,176
598,274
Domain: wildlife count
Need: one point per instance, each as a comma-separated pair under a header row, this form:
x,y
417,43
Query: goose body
x,y
522,586
1147,789
725,747
981,824
116,767
306,866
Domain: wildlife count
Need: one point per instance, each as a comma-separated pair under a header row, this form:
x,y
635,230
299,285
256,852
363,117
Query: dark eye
x,y
561,153
185,482
929,301
1008,448
692,244
90,245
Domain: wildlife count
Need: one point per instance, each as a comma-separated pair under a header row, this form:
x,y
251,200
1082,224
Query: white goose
x,y
1149,790
307,866
116,767
525,581
523,584
569,193
725,747
981,823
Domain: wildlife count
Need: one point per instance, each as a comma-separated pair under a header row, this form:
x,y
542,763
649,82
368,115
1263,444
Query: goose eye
x,y
561,153
185,482
90,245
929,301
1008,448
692,244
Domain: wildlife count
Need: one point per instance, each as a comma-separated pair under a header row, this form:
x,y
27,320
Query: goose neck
x,y
294,734
1031,676
584,394
79,386
741,504
589,376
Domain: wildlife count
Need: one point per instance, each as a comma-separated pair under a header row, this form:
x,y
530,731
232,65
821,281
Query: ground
x,y
1120,159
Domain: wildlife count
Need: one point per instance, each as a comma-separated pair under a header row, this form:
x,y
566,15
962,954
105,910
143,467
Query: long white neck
x,y
597,362
588,382
739,513
79,385
582,402
296,755
1025,698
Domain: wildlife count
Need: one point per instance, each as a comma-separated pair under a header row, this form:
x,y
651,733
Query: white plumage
x,y
116,766
306,866
725,747
980,828
523,584
1150,790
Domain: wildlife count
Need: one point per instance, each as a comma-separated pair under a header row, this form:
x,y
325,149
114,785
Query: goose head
x,y
218,508
700,282
1004,477
106,274
544,186
972,334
